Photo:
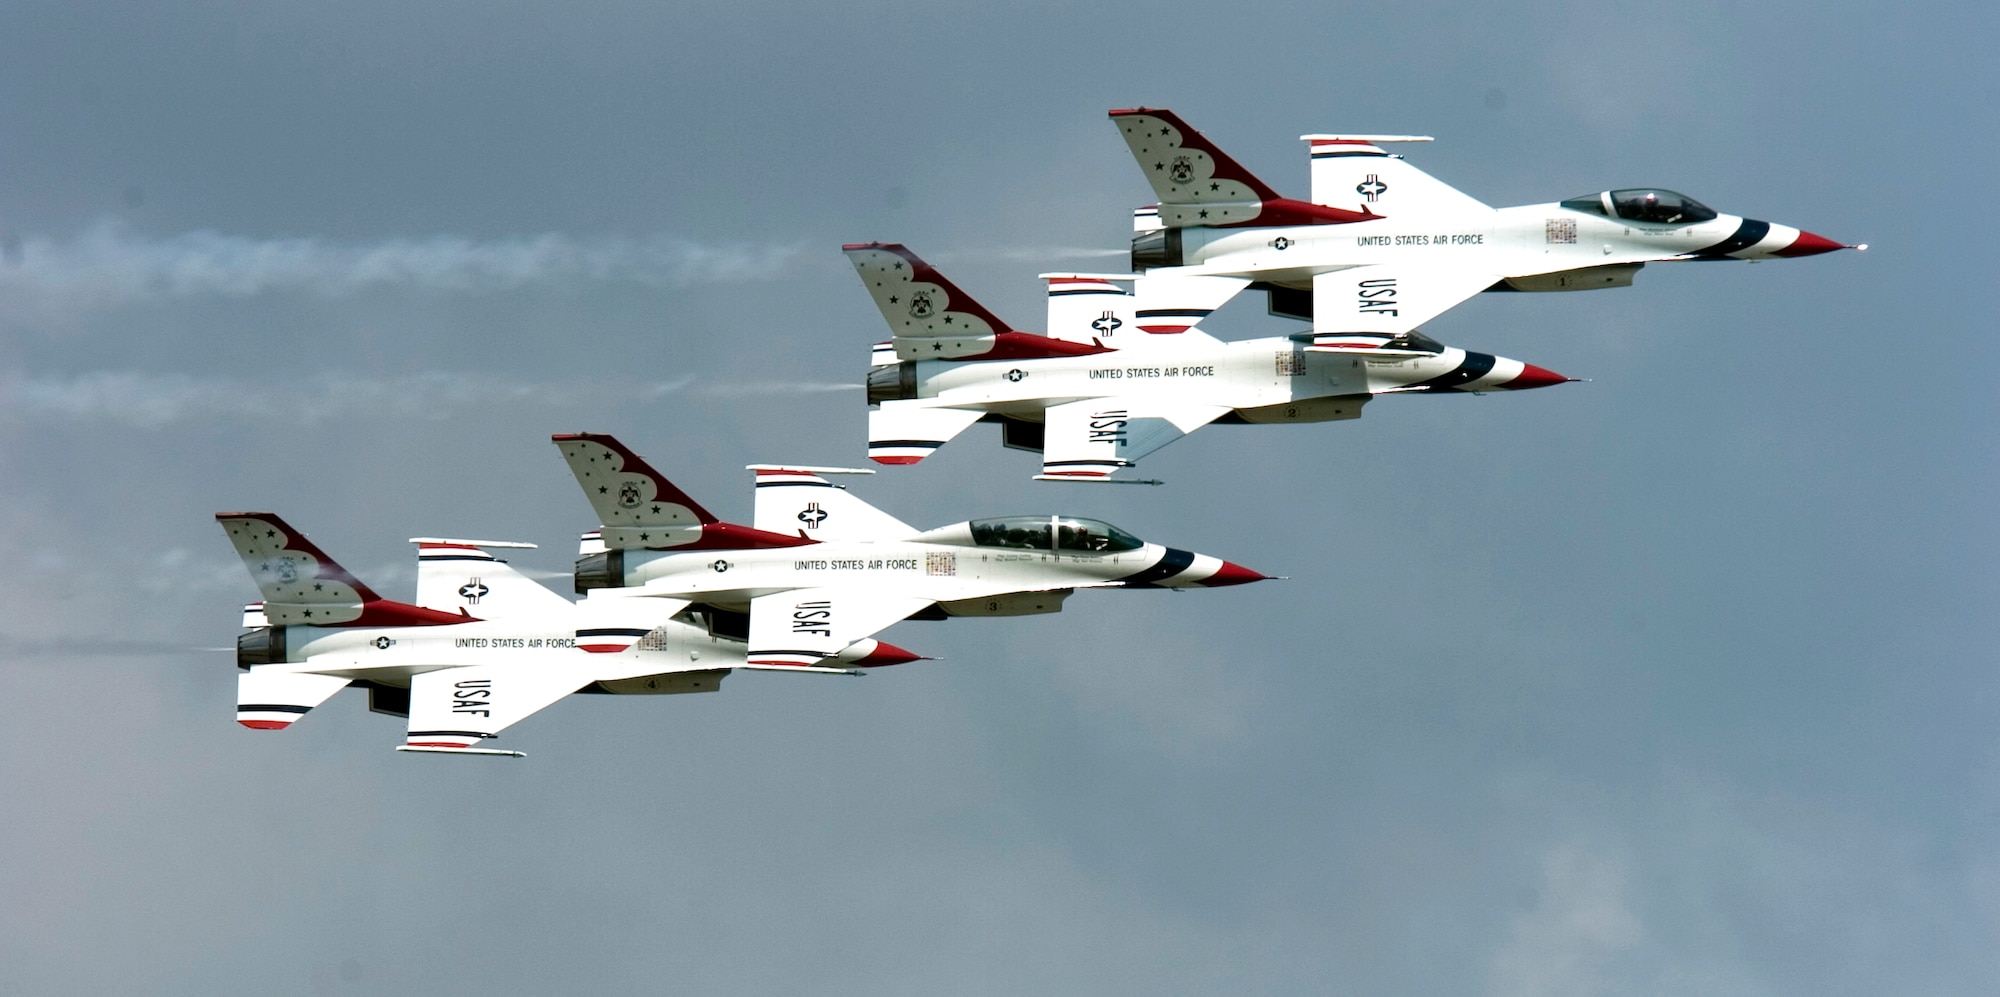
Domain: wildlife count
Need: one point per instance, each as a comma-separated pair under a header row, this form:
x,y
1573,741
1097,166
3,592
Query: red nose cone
x,y
1232,573
1532,376
886,654
1808,244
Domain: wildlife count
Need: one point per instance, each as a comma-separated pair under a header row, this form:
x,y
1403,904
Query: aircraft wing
x,y
803,626
1095,438
453,709
1390,298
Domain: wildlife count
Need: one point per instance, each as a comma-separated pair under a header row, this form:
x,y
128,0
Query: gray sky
x,y
1665,683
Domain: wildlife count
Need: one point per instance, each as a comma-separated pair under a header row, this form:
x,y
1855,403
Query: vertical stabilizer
x,y
931,319
304,587
1199,185
636,506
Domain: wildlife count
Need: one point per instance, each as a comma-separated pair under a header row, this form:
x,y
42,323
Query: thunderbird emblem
x,y
920,305
1182,171
628,494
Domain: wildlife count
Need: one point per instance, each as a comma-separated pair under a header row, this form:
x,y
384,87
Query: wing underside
x,y
803,627
1390,299
1096,438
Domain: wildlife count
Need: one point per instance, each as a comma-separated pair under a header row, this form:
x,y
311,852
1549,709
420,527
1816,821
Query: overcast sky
x,y
1671,682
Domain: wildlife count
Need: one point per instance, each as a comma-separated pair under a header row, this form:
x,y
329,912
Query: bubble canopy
x,y
1644,204
1052,533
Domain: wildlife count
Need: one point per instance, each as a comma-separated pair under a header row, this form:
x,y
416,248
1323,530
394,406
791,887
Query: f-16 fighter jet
x,y
1384,247
484,648
822,571
1125,371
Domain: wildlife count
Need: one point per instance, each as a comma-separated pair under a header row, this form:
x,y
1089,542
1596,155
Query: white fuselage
x,y
1523,241
1261,379
394,654
943,572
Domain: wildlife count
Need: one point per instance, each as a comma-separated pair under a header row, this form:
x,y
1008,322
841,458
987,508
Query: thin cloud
x,y
109,265
155,401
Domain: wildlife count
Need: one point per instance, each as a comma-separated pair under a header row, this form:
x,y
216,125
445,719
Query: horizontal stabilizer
x,y
1091,308
1172,304
801,500
271,700
907,432
614,620
459,574
1354,171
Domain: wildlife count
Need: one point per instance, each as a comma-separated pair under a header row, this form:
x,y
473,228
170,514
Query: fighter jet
x,y
821,570
1126,369
484,647
1384,247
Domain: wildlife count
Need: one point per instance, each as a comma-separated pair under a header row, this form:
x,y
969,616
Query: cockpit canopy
x,y
1644,204
1062,533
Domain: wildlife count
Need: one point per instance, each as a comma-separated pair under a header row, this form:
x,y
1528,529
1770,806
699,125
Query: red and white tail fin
x,y
1199,185
630,498
268,699
637,507
801,500
304,587
462,574
931,319
1354,170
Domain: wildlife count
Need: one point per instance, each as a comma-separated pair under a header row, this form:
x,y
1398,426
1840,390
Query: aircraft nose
x,y
1808,244
1532,376
1232,573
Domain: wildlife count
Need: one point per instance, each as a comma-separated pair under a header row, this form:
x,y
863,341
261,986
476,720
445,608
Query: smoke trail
x,y
109,265
155,401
